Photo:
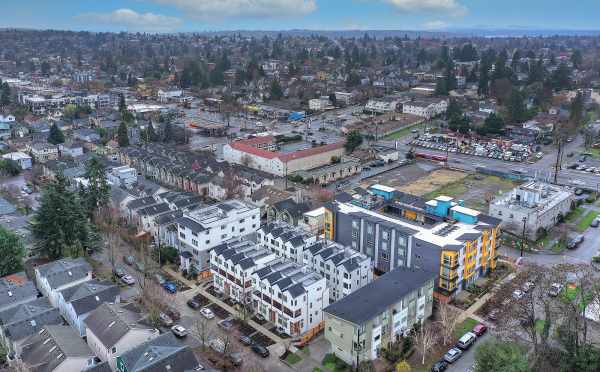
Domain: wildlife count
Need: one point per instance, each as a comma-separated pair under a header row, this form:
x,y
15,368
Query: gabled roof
x,y
16,288
88,296
109,323
163,353
26,319
64,271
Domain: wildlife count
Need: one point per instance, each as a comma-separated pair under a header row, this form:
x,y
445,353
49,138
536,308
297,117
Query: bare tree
x,y
202,330
448,322
426,337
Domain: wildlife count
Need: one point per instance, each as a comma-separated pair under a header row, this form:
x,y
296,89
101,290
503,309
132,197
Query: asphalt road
x,y
468,358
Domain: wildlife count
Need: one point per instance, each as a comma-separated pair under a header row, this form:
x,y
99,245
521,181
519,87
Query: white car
x,y
207,313
128,279
179,331
518,294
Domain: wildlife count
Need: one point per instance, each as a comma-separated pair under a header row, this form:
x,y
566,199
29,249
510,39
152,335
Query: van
x,y
466,341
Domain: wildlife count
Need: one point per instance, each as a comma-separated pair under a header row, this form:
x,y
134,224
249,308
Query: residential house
x,y
56,276
15,290
72,149
43,151
21,158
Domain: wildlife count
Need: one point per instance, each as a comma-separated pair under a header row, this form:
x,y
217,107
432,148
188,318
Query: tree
x,y
516,107
122,104
425,338
97,193
403,366
276,91
60,225
9,167
56,135
494,124
168,134
12,252
500,356
353,140
577,111
202,331
123,135
448,322
577,58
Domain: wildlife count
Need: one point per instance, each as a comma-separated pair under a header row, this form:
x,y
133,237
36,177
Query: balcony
x,y
450,265
450,277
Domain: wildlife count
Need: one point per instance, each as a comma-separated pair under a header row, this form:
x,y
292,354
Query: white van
x,y
466,341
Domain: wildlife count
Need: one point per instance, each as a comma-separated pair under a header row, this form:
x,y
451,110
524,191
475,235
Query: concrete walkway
x,y
470,312
200,289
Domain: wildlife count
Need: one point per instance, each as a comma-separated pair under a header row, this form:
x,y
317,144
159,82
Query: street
x,y
465,363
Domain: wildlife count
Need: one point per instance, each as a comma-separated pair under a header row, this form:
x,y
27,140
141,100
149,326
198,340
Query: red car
x,y
479,329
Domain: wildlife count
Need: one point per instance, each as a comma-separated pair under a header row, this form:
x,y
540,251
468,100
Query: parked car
x,y
575,241
452,355
595,222
465,342
179,331
479,329
165,320
440,366
170,287
527,286
260,350
579,192
235,358
193,304
128,279
226,324
129,260
207,313
555,289
119,272
26,189
518,294
245,340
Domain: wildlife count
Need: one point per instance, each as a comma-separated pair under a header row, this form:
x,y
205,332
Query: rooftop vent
x,y
9,294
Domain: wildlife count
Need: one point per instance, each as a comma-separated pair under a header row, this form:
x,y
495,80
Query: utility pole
x,y
558,160
523,239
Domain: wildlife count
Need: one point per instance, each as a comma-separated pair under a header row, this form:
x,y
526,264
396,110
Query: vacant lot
x,y
403,176
436,180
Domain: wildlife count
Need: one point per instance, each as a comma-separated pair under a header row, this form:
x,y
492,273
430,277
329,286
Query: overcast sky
x,y
216,15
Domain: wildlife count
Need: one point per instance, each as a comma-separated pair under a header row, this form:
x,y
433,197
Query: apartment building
x,y
361,324
438,235
232,265
290,295
203,229
425,108
345,270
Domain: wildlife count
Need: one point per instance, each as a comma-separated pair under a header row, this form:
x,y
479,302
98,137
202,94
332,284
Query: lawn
x,y
539,325
292,358
452,190
334,364
466,326
586,221
574,215
404,131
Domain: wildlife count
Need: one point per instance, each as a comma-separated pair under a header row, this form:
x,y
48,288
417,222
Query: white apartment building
x,y
122,176
537,204
381,107
201,230
232,265
425,108
290,295
319,104
345,270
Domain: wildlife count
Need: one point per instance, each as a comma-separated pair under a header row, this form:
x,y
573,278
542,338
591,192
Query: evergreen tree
x,y
484,80
97,192
151,133
122,104
60,224
493,125
561,78
276,91
123,135
56,135
453,110
517,112
577,58
577,111
12,252
353,140
168,134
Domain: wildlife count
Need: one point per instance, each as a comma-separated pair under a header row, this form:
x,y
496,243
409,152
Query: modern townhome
x,y
111,330
291,296
360,324
535,207
15,290
24,320
163,353
56,348
438,235
203,229
77,302
53,277
232,265
344,269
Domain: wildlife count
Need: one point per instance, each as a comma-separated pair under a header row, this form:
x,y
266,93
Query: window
x,y
224,236
113,350
222,227
182,235
208,242
242,220
194,242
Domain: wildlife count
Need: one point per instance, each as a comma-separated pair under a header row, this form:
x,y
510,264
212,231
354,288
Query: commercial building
x,y
438,235
532,208
425,107
361,324
257,153
203,229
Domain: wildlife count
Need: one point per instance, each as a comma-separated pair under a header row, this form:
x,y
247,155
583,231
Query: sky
x,y
219,15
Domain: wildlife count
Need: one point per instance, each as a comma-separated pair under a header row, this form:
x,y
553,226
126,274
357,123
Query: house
x,y
360,325
23,320
56,348
86,135
15,290
112,330
77,302
203,229
21,158
122,176
163,353
73,149
43,151
288,211
53,277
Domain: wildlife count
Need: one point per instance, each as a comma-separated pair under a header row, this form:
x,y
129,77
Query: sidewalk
x,y
225,306
470,312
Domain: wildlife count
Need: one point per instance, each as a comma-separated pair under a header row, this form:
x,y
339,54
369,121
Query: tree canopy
x,y
123,135
56,136
97,192
500,356
353,140
12,252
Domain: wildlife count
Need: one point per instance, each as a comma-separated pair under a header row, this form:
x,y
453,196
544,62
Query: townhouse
x,y
15,290
361,324
56,276
439,235
77,302
203,229
290,295
112,330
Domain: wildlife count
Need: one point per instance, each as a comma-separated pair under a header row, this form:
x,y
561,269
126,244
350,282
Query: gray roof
x,y
26,319
64,271
87,296
101,367
51,346
16,288
6,207
373,299
155,355
109,323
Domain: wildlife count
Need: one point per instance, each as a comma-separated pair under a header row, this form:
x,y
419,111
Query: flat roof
x,y
464,210
383,188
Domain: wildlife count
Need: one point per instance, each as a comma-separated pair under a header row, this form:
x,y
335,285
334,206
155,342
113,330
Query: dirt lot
x,y
402,176
433,181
